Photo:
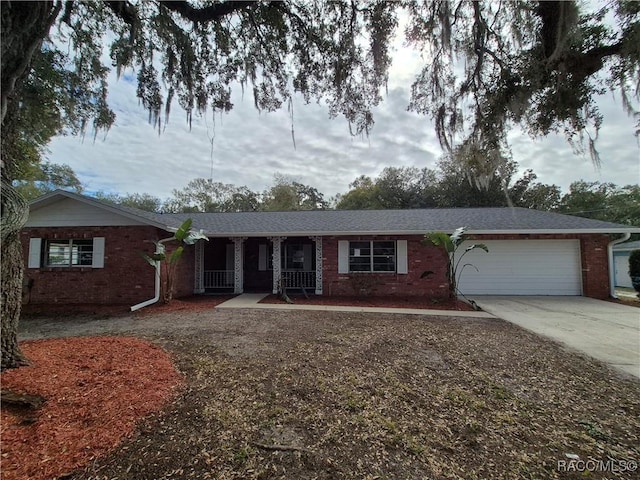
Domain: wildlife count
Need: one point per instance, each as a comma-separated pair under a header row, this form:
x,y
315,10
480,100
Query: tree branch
x,y
124,10
206,14
583,65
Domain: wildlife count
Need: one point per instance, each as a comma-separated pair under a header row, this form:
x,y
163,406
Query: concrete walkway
x,y
250,300
604,330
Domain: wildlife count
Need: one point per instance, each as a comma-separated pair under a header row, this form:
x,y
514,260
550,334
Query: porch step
x,y
245,300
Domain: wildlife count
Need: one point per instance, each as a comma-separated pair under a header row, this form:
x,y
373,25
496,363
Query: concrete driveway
x,y
607,331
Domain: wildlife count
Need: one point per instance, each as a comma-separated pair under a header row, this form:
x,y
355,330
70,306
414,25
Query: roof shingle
x,y
353,222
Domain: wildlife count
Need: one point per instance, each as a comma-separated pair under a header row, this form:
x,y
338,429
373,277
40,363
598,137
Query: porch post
x,y
276,260
198,286
318,242
238,264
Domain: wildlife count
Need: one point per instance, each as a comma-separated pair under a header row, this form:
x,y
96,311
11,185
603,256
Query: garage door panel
x,y
522,267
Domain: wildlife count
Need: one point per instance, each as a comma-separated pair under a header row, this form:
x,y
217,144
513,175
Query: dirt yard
x,y
326,395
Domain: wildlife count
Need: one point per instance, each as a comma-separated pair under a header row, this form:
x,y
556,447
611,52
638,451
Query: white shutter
x,y
306,250
343,256
402,264
35,252
262,257
98,252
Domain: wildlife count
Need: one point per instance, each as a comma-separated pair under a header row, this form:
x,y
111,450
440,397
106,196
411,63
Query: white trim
x,y
198,268
238,264
35,252
402,263
611,264
319,260
98,253
276,261
398,233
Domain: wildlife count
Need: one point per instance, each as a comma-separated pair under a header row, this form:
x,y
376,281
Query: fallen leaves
x,y
96,389
368,396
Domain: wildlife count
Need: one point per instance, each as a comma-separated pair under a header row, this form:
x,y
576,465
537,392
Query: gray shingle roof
x,y
627,246
479,220
352,222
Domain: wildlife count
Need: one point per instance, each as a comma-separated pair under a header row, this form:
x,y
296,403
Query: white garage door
x,y
522,267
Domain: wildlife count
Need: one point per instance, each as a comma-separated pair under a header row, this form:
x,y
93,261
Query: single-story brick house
x,y
81,250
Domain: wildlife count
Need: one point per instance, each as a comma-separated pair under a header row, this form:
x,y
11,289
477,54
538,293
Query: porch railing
x,y
299,278
218,279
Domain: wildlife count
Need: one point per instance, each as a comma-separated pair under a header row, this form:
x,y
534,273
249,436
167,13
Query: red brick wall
x,y
593,257
419,257
593,252
595,270
125,279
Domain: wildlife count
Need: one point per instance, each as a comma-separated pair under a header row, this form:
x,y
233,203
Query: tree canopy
x,y
493,65
45,177
448,186
487,66
603,201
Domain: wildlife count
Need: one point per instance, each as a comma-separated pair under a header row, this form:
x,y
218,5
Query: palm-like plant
x,y
451,243
185,236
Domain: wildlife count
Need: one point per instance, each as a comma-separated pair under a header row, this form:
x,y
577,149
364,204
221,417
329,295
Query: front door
x,y
258,268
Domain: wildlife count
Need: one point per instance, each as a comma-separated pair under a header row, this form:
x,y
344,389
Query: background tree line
x,y
446,186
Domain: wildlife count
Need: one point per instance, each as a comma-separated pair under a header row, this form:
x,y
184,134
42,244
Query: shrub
x,y
634,269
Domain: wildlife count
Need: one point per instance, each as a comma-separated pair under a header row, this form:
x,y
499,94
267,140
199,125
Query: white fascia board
x,y
563,231
417,232
311,234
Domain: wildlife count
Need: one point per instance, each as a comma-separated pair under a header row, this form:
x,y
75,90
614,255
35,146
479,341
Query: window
x,y
372,256
69,253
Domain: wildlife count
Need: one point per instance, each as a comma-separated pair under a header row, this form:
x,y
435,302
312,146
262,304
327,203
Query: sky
x,y
246,147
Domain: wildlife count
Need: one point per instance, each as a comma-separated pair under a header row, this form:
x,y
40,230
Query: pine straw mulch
x,y
194,303
96,389
370,301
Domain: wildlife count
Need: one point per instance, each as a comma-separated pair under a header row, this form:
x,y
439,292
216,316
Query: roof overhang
x,y
421,232
58,195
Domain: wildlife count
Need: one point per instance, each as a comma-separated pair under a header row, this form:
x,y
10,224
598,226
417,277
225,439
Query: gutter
x,y
156,263
612,273
351,233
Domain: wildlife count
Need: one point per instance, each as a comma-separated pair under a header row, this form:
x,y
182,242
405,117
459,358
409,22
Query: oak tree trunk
x,y
15,211
24,27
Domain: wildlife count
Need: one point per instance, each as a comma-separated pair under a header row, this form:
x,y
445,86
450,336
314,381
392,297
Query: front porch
x,y
258,264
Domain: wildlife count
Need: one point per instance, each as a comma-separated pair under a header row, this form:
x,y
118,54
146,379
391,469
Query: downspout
x,y
146,303
612,273
159,251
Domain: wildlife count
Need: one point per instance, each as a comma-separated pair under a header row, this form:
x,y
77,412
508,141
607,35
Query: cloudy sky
x,y
245,147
